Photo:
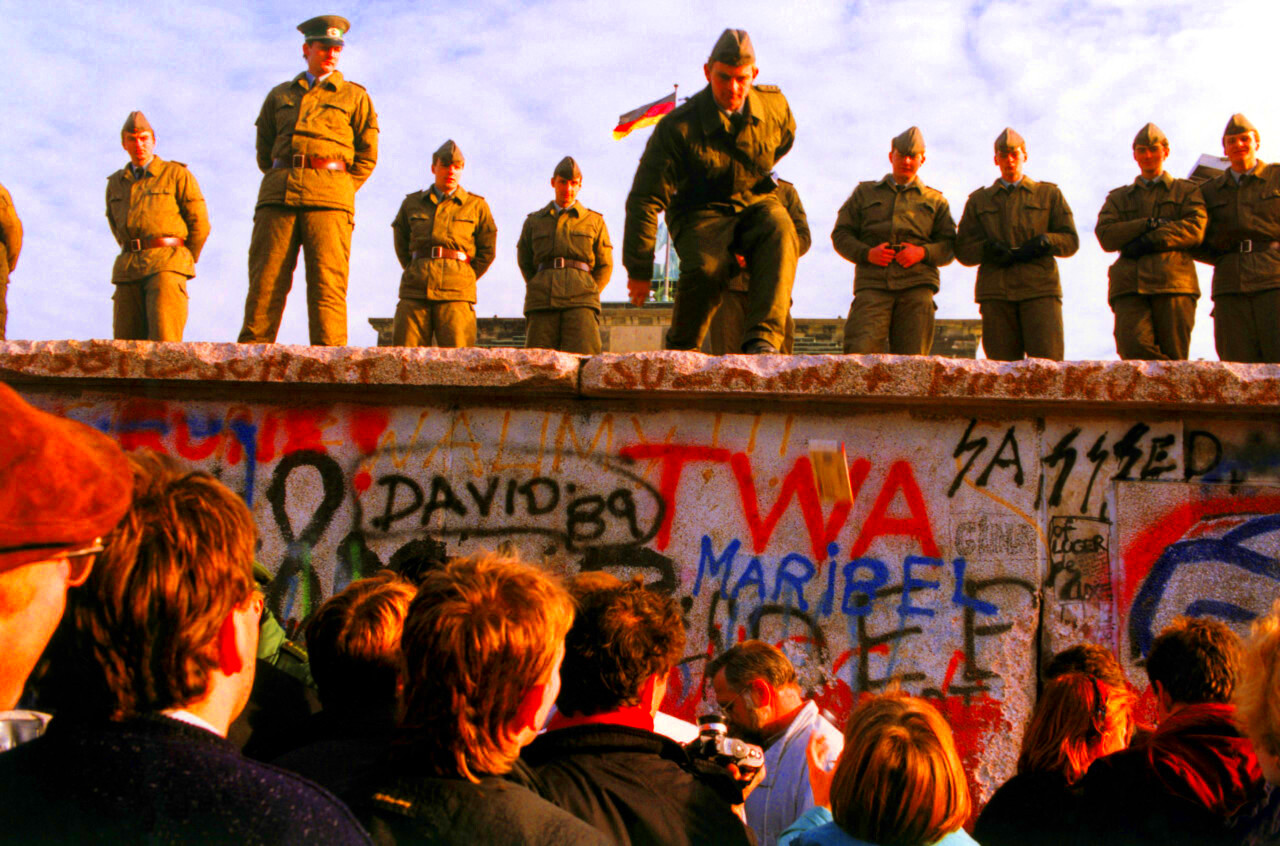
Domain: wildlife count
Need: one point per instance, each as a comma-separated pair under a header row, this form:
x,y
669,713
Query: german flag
x,y
646,115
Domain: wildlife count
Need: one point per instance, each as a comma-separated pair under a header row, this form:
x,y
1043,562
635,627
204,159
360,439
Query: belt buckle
x,y
437,252
557,262
135,246
299,160
1246,246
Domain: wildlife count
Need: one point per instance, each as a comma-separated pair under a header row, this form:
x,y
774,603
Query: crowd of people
x,y
481,699
738,230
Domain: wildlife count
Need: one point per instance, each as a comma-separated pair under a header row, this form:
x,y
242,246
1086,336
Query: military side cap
x,y
136,122
568,169
326,28
1149,136
63,484
1238,124
734,48
1009,140
449,154
910,143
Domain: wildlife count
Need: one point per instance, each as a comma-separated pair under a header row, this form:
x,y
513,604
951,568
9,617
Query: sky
x,y
518,85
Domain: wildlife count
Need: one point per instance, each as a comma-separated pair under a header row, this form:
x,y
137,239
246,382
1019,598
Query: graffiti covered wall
x,y
989,526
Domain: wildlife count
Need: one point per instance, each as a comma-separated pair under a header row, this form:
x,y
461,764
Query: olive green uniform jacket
x,y
460,222
333,120
1124,216
790,199
1247,212
165,204
576,234
693,162
878,213
10,246
1014,215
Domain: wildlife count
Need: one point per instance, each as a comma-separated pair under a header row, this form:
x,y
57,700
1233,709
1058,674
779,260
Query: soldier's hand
x,y
1033,249
997,253
1138,247
881,255
638,290
909,254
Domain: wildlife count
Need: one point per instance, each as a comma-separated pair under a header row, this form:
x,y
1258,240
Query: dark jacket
x,y
345,750
1036,808
1187,784
636,786
157,780
495,812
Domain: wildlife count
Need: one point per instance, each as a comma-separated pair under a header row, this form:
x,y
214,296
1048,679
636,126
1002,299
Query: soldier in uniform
x,y
728,323
10,246
158,217
1242,242
317,144
1153,223
445,239
897,232
1012,230
566,259
707,166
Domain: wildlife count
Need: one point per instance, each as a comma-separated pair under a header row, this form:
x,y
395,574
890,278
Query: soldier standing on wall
x,y
10,246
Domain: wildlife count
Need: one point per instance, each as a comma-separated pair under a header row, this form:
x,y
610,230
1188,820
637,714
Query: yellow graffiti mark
x,y
755,430
653,463
497,465
999,500
715,430
567,430
786,435
477,466
387,444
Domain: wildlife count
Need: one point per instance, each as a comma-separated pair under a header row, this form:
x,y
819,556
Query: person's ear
x,y
527,711
230,661
761,694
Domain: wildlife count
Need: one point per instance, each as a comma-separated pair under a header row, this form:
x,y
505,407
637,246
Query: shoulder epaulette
x,y
782,181
178,163
476,196
768,89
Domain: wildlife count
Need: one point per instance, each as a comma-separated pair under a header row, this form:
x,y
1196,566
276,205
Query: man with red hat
x,y
1242,242
157,215
317,144
63,486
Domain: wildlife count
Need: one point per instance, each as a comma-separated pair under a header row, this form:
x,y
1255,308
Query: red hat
x,y
63,484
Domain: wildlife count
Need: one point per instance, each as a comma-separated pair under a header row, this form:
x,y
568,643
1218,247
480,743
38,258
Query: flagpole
x,y
666,261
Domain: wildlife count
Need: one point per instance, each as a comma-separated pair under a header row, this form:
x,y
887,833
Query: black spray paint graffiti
x,y
1079,561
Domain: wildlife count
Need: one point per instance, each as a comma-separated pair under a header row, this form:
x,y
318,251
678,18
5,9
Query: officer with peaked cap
x,y
897,231
1012,230
317,144
707,166
728,323
1154,223
63,486
10,247
566,259
158,217
1242,242
445,238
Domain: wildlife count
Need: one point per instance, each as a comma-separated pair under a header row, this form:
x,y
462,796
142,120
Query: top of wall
x,y
917,382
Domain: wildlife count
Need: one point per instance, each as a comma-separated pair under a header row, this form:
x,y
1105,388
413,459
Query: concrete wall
x,y
1000,512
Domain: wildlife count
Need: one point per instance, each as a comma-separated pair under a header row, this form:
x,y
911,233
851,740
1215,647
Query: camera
x,y
715,745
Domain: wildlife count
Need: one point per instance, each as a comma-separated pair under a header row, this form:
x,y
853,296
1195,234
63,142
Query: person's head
x,y
1011,154
63,486
624,641
482,645
1077,719
1092,659
138,138
899,781
323,42
731,68
170,612
1257,695
906,155
446,166
353,642
756,688
1240,140
1150,149
566,181
1193,661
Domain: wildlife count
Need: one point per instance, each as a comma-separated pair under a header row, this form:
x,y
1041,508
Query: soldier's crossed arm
x,y
1186,230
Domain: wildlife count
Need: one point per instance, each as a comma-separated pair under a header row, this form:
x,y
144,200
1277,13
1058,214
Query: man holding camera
x,y
897,232
600,758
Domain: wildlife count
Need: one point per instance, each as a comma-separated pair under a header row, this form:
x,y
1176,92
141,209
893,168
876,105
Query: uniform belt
x,y
137,245
441,253
1250,246
557,263
313,162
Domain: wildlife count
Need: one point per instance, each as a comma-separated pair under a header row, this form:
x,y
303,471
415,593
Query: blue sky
x,y
519,85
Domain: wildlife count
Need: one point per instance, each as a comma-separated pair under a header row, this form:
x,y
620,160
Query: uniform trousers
x,y
434,323
153,308
324,236
1246,327
729,325
1013,328
574,330
896,322
1154,327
